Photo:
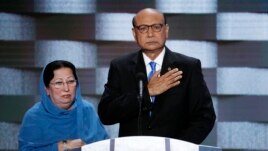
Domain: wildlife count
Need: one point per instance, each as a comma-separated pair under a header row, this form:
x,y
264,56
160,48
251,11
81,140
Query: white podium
x,y
146,143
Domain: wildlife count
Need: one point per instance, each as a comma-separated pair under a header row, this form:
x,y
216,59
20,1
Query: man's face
x,y
152,39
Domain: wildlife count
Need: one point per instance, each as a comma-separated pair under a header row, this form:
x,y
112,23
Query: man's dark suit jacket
x,y
183,112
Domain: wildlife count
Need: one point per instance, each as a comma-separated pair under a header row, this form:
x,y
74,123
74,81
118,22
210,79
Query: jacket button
x,y
149,127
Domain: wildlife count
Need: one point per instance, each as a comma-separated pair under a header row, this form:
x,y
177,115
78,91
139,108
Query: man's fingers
x,y
174,81
159,84
172,73
156,74
174,76
169,77
174,84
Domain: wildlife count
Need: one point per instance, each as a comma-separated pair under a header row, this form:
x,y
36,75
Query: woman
x,y
61,120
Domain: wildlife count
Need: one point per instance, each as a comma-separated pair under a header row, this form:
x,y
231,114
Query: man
x,y
173,105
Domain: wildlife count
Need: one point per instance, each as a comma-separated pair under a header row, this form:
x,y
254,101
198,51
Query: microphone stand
x,y
140,117
140,76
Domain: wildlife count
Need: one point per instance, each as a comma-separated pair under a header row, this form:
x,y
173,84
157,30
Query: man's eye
x,y
143,28
157,27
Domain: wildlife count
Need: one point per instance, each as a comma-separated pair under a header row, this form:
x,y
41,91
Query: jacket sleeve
x,y
119,100
201,112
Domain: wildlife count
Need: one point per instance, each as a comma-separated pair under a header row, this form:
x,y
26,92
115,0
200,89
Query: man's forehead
x,y
149,17
149,13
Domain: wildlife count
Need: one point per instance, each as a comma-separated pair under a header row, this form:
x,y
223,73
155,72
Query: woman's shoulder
x,y
33,112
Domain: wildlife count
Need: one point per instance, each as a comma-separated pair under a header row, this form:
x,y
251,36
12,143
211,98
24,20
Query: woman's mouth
x,y
66,96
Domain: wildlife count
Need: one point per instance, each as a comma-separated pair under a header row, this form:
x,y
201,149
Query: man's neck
x,y
152,54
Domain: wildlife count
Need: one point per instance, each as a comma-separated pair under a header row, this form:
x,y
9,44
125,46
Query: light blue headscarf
x,y
45,124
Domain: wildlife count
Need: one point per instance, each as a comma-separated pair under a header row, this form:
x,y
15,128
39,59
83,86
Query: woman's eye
x,y
59,83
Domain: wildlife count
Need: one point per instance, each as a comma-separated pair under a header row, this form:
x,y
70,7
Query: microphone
x,y
140,76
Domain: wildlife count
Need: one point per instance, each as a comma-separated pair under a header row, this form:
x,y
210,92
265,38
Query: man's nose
x,y
150,31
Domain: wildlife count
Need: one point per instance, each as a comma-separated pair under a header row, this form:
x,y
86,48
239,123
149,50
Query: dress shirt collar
x,y
158,60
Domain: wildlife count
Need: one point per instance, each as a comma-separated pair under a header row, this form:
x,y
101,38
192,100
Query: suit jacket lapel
x,y
167,62
139,65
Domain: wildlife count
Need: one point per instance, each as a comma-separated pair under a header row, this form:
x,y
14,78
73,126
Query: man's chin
x,y
153,49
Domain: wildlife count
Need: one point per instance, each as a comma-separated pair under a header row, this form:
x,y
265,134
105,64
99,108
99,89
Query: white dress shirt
x,y
158,60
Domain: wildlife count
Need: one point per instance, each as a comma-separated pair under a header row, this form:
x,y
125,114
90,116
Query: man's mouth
x,y
151,42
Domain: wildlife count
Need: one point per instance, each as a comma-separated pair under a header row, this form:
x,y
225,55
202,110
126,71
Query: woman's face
x,y
62,88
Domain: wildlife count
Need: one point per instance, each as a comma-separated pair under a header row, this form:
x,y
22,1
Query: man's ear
x,y
167,30
134,34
